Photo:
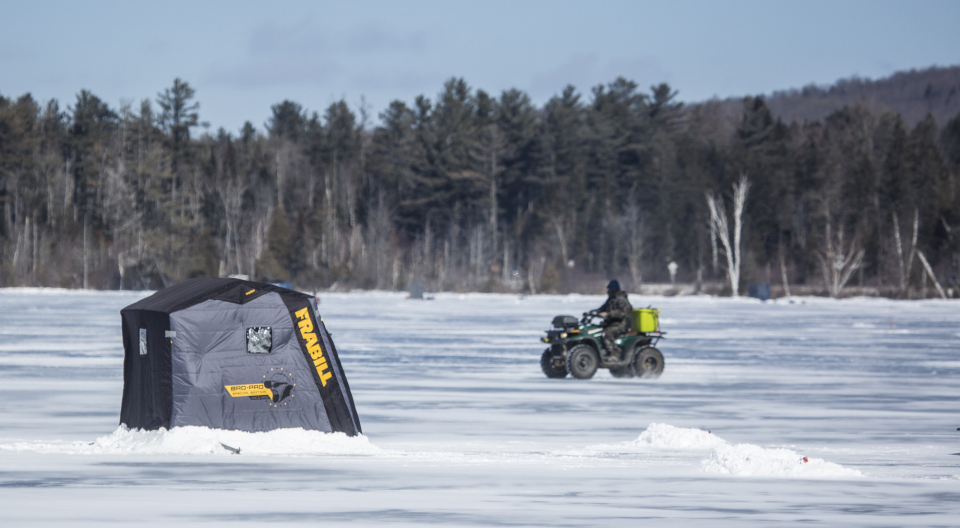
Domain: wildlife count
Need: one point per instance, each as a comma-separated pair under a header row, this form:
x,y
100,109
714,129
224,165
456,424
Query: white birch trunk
x,y
783,275
905,264
721,230
926,266
86,252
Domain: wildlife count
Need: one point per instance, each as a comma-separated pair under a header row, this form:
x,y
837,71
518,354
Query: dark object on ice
x,y
416,291
577,348
234,450
759,290
232,354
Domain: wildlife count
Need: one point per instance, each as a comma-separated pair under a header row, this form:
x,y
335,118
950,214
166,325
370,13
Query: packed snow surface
x,y
835,413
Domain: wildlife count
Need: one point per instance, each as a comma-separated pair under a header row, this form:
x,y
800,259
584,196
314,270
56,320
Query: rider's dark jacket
x,y
619,310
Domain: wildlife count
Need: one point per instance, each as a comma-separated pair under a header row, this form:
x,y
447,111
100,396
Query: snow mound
x,y
665,436
192,440
661,436
725,458
750,460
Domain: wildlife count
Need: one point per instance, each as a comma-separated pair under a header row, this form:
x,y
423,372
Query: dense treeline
x,y
469,191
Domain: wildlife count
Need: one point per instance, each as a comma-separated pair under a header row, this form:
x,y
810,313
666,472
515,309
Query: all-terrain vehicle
x,y
576,348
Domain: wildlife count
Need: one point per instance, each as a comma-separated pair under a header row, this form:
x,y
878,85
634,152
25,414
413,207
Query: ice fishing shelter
x,y
232,354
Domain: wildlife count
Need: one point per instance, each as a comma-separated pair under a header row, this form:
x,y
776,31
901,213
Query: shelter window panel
x,y
143,341
259,340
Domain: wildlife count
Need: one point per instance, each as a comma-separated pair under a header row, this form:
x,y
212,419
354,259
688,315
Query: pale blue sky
x,y
242,57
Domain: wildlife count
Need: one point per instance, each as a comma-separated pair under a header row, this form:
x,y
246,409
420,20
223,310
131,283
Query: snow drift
x,y
659,436
754,461
729,459
664,436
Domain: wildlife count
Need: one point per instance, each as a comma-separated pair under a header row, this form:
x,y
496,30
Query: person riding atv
x,y
623,343
616,314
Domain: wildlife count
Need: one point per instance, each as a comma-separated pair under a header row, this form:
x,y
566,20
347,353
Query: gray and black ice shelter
x,y
232,354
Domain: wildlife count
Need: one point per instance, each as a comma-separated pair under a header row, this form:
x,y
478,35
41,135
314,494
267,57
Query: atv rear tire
x,y
648,363
582,361
548,366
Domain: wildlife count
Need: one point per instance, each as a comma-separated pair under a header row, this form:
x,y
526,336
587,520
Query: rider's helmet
x,y
613,285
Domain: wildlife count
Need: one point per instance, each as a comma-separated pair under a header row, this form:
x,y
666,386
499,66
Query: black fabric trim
x,y
338,410
194,291
343,376
183,295
147,401
241,293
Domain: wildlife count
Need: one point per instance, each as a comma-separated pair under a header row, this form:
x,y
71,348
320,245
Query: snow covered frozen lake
x,y
461,428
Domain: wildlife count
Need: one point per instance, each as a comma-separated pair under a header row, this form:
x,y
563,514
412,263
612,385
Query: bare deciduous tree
x,y
491,154
783,272
715,262
231,196
837,261
380,235
634,232
926,266
719,227
563,227
905,265
535,267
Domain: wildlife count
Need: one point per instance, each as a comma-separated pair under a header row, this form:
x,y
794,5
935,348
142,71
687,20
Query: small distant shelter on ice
x,y
232,354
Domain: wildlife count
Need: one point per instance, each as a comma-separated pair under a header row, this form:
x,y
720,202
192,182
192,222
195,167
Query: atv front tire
x,y
549,367
648,363
582,361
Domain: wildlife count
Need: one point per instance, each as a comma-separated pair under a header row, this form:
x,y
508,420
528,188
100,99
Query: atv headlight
x,y
563,335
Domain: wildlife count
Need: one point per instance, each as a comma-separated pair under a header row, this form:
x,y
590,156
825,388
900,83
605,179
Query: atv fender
x,y
585,339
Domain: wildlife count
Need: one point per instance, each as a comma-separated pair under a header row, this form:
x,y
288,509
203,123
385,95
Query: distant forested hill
x,y
912,94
